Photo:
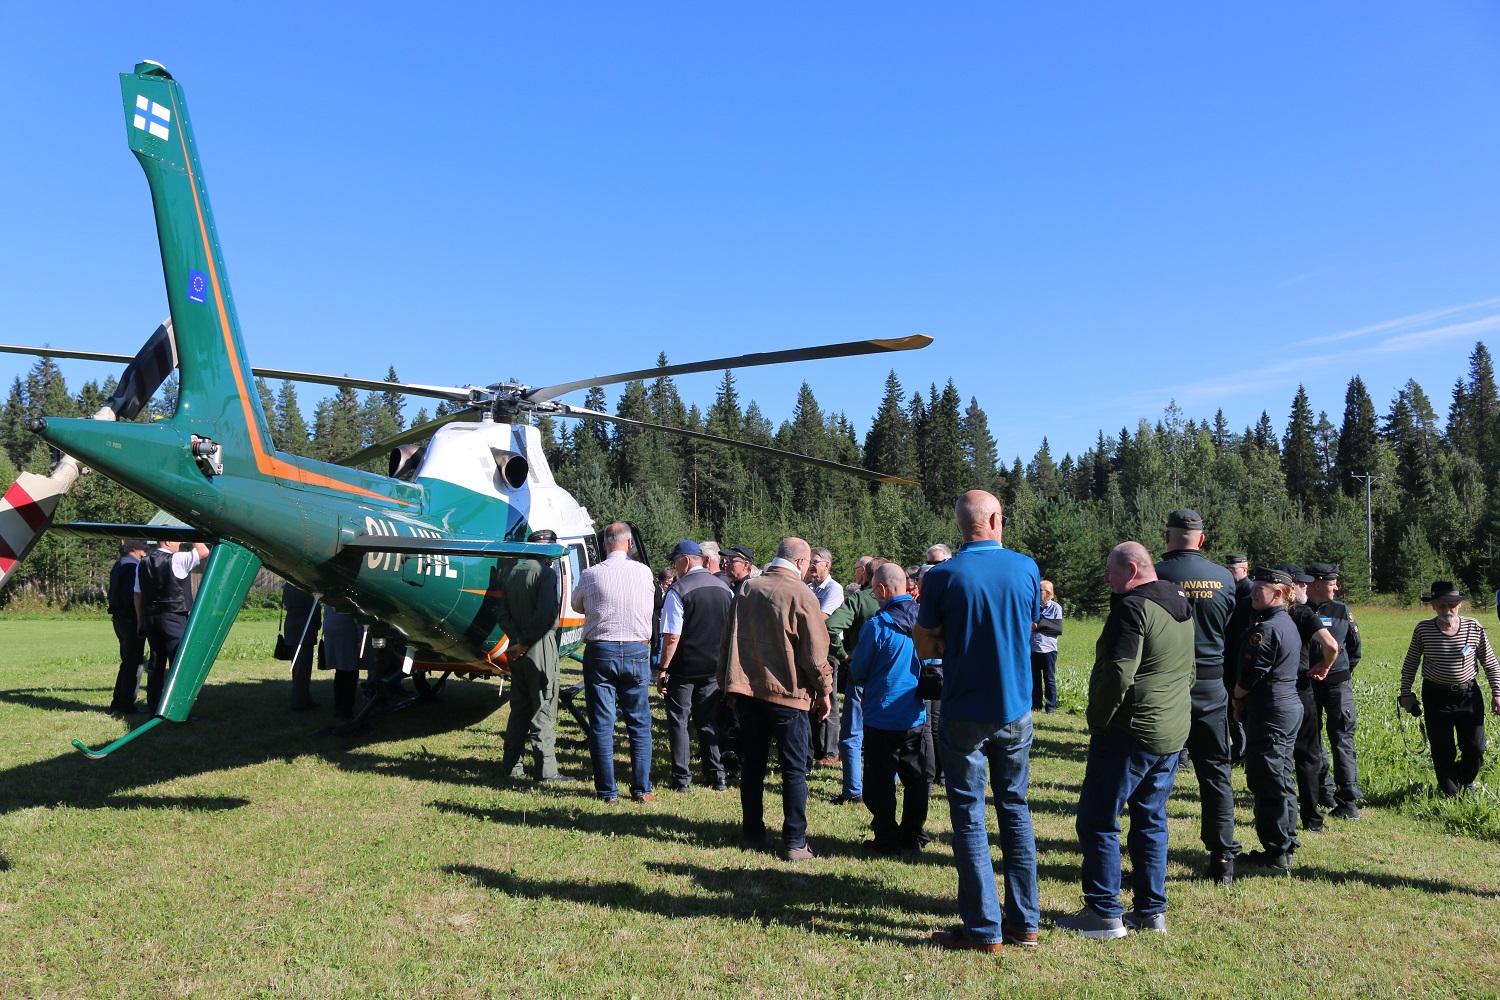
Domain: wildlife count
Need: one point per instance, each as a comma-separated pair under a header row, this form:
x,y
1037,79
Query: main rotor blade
x,y
417,433
452,394
850,349
822,463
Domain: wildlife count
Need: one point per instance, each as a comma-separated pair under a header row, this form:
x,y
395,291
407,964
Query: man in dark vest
x,y
127,631
1210,589
163,598
692,630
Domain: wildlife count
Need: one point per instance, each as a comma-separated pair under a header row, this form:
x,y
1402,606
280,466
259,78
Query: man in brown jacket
x,y
774,665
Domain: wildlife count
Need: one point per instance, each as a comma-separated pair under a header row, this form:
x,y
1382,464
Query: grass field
x,y
241,856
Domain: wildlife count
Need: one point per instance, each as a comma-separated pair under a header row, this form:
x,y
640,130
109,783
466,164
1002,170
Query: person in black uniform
x,y
1210,590
304,619
1334,694
1308,756
1238,565
1265,699
127,629
163,599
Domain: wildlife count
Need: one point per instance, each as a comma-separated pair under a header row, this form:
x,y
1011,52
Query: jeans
x,y
1123,774
1270,733
1044,680
694,699
618,671
852,740
998,754
1208,743
760,722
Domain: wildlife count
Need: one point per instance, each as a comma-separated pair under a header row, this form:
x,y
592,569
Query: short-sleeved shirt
x,y
984,599
830,594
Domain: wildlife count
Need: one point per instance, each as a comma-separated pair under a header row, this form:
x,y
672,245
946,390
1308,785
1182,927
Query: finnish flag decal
x,y
152,117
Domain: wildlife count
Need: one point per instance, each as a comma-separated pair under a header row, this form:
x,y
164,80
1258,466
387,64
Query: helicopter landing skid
x,y
384,700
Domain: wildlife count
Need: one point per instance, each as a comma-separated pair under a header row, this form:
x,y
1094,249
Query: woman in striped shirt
x,y
1449,648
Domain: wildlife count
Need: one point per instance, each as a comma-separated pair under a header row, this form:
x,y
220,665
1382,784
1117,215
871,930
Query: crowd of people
x,y
914,677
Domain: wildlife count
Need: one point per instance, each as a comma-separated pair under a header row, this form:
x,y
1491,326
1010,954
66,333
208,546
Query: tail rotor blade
x,y
26,510
146,373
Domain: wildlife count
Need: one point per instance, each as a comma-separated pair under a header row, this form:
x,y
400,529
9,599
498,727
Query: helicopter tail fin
x,y
217,398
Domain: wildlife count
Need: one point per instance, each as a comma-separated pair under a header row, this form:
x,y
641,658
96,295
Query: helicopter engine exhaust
x,y
513,467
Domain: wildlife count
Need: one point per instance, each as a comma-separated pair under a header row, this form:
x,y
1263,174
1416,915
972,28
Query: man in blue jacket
x,y
886,664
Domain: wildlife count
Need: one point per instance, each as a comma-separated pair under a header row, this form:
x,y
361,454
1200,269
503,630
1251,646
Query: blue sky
x,y
1093,208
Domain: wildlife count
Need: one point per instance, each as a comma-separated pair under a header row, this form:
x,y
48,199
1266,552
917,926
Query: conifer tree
x,y
1357,438
1299,452
290,434
978,448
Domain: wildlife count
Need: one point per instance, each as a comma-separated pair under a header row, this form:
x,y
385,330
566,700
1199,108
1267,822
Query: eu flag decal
x,y
197,286
152,117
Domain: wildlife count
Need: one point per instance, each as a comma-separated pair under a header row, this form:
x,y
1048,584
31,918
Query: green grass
x,y
241,856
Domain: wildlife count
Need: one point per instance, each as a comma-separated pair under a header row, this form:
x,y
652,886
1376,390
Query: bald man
x,y
976,614
1140,707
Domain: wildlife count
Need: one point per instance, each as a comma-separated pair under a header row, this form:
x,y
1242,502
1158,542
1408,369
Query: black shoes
x,y
1345,810
1265,859
1220,869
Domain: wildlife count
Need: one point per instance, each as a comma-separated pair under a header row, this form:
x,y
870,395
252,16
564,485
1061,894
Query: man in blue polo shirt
x,y
976,614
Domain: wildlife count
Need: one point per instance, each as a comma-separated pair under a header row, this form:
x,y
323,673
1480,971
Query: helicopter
x,y
415,554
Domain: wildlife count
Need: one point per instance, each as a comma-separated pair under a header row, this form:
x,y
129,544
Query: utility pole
x,y
1369,478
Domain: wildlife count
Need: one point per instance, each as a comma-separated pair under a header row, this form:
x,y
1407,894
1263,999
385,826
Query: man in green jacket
x,y
1140,709
528,614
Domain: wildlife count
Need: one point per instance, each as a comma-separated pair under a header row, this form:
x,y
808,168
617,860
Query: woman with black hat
x,y
1265,699
1449,647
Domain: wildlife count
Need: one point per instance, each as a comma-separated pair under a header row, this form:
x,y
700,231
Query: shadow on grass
x,y
242,723
44,699
820,902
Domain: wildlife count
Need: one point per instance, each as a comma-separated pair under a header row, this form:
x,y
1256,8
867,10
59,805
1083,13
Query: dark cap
x,y
1323,571
1264,575
741,552
545,535
1235,559
1186,519
686,548
1295,572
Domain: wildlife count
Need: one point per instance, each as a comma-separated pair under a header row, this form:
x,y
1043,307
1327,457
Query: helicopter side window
x,y
576,561
590,553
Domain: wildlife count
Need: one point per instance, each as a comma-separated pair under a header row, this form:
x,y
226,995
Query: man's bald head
x,y
979,516
892,576
794,550
1129,565
617,537
1182,538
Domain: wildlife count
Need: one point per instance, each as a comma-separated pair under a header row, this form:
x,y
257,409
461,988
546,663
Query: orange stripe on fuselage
x,y
268,464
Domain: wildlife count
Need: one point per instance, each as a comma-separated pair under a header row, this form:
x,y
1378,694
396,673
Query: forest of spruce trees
x,y
1287,497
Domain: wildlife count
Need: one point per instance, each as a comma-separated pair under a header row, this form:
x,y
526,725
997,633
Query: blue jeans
x,y
852,740
1123,774
975,754
618,672
760,723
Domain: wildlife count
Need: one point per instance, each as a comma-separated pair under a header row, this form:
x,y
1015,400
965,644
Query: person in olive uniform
x,y
1334,694
528,614
1265,699
1238,565
1210,589
1319,651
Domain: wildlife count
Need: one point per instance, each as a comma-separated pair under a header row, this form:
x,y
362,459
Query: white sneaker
x,y
1154,922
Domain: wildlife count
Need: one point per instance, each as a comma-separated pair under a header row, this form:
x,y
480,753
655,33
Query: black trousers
x,y
694,699
889,755
933,724
1271,732
1308,757
1208,745
132,659
760,723
825,734
165,632
1455,725
1333,701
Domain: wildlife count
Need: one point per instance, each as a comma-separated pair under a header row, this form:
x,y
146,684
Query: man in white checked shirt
x,y
616,599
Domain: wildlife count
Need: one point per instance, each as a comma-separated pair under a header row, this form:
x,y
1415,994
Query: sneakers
x,y
957,940
1155,923
849,800
557,779
1019,938
1345,810
1220,869
1313,825
803,853
1090,923
1276,862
